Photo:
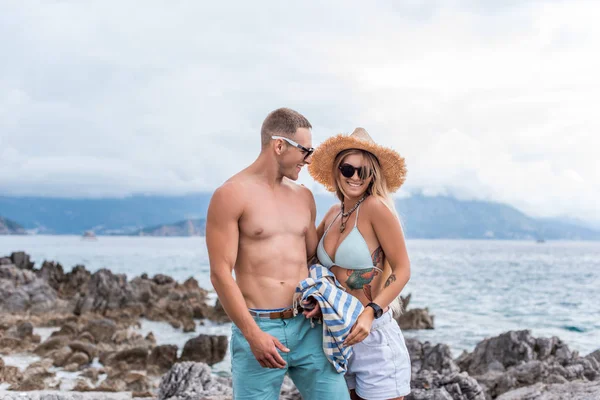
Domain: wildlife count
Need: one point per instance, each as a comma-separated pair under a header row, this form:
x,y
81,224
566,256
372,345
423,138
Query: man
x,y
262,225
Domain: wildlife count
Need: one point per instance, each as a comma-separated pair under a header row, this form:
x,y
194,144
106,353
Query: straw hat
x,y
392,164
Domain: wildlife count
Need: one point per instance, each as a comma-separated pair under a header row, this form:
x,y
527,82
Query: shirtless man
x,y
262,225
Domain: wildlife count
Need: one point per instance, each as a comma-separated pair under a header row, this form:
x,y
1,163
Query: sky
x,y
485,99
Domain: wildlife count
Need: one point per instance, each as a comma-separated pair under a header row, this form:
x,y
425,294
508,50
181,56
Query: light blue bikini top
x,y
352,253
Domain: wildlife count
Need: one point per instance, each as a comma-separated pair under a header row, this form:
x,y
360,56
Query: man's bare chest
x,y
265,219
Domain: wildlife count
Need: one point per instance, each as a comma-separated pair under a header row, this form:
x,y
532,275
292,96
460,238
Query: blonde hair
x,y
377,188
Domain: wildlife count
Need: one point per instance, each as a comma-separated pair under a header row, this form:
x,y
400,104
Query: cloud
x,y
492,100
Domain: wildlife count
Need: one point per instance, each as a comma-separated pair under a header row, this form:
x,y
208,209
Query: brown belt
x,y
285,314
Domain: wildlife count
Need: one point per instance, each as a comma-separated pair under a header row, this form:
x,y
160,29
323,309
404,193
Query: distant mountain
x,y
103,216
189,227
422,217
8,227
447,217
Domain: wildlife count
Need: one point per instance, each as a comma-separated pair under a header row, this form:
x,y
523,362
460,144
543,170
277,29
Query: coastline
x,y
90,325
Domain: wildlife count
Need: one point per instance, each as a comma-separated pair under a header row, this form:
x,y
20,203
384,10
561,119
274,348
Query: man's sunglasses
x,y
307,152
347,171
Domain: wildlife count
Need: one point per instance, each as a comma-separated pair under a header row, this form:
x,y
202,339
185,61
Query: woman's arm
x,y
391,239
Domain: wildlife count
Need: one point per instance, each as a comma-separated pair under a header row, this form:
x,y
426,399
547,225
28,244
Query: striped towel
x,y
340,311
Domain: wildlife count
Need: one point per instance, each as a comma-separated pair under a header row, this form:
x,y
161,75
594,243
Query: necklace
x,y
347,214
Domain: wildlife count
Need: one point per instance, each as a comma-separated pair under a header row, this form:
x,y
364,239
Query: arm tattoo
x,y
377,256
391,279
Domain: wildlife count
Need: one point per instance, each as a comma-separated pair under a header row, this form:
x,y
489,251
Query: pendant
x,y
342,227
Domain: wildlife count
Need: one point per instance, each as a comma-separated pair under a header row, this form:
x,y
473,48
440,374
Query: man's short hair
x,y
282,122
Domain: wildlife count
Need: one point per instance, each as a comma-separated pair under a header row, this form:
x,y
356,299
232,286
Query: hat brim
x,y
392,164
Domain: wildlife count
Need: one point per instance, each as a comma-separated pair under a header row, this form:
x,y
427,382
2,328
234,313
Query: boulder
x,y
163,357
417,318
208,349
191,381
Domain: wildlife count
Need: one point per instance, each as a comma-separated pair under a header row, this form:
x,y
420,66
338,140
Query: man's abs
x,y
267,273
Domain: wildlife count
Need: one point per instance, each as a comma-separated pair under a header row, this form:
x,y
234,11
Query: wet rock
x,y
87,348
10,343
68,329
21,260
161,279
51,344
9,373
189,325
78,358
190,381
82,385
60,356
91,373
163,357
209,349
101,329
34,376
72,367
136,358
218,313
25,330
86,337
417,318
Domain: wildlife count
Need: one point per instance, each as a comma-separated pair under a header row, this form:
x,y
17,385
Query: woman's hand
x,y
361,328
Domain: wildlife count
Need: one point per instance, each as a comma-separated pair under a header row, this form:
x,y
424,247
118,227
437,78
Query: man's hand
x,y
361,327
264,347
315,312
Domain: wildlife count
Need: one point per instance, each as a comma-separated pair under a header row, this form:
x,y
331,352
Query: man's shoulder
x,y
297,187
229,196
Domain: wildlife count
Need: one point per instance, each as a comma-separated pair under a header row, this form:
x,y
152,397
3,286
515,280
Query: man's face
x,y
294,158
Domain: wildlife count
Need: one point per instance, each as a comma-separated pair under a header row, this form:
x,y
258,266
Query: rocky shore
x,y
93,344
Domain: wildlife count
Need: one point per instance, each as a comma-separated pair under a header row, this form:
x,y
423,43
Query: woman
x,y
361,242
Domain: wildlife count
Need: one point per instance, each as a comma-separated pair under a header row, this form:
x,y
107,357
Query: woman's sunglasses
x,y
347,171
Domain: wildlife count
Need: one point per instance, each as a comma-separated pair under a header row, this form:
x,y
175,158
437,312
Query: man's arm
x,y
222,240
311,235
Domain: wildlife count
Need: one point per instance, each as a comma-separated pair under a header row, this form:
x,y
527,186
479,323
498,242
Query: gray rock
x,y
516,359
57,395
459,386
580,390
191,381
432,394
508,349
21,291
105,291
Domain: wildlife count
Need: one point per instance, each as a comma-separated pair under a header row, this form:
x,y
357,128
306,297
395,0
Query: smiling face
x,y
292,158
355,185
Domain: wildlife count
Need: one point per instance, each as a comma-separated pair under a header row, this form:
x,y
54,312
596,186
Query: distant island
x,y
8,227
423,217
188,227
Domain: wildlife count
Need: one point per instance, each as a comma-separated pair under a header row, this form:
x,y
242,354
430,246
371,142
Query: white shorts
x,y
379,369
